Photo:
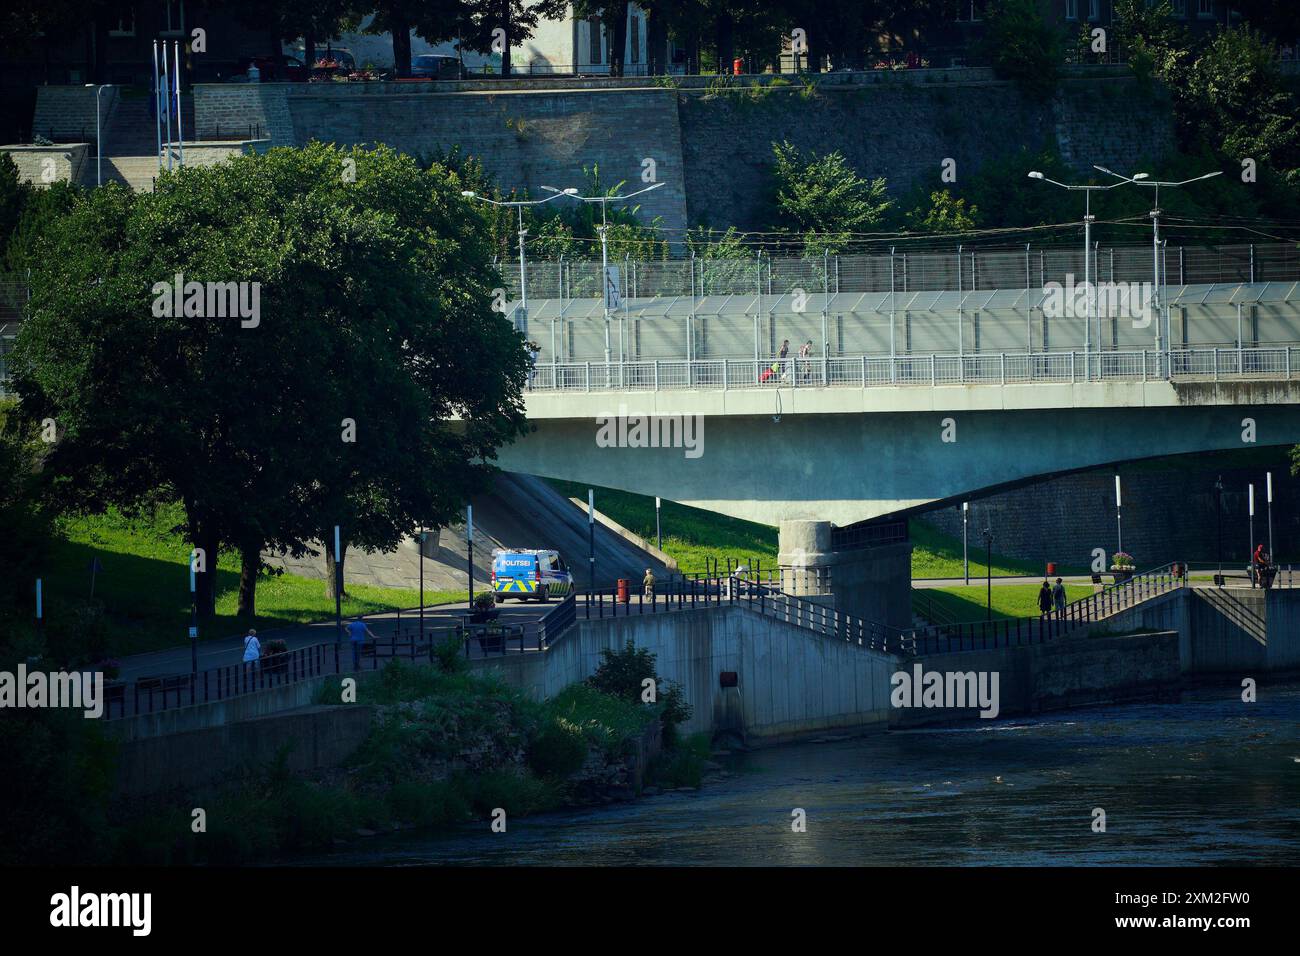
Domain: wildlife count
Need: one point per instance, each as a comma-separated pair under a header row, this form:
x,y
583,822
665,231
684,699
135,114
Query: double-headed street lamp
x,y
1087,259
1141,179
519,204
604,245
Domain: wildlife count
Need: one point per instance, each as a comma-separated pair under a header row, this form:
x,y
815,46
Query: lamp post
x,y
1142,179
194,623
422,536
659,533
965,536
1087,259
338,601
519,204
99,144
1218,513
469,549
1119,530
1272,558
591,543
1250,543
603,229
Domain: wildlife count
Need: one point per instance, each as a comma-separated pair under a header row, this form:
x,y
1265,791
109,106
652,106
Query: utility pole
x,y
1272,558
603,229
338,600
988,569
1142,179
421,637
659,533
1090,296
194,622
1250,544
523,232
469,549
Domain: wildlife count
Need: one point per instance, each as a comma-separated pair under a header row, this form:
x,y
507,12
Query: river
x,y
1207,780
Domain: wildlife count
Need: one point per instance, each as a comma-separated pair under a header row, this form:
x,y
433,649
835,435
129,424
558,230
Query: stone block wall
x,y
67,113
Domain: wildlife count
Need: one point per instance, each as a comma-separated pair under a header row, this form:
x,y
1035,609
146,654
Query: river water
x,y
1208,780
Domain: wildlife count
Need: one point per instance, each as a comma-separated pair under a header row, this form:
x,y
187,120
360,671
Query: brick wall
x,y
713,150
69,160
67,113
1168,515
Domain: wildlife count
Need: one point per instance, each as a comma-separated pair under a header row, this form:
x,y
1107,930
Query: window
x,y
1071,9
593,32
1180,9
634,38
1205,8
124,27
969,11
1094,9
173,18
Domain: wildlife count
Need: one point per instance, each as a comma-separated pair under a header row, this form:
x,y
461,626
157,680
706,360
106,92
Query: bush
x,y
1022,46
623,674
559,750
449,655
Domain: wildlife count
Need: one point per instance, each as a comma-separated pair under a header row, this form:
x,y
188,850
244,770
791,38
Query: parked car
x,y
282,69
437,66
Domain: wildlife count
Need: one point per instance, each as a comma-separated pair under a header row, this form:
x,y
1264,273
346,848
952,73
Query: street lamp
x,y
988,569
519,204
99,145
1087,258
604,247
1218,511
1142,179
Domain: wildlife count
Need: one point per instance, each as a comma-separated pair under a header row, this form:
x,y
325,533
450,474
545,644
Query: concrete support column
x,y
871,583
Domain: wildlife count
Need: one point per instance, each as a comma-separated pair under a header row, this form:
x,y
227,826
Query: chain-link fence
x,y
1025,267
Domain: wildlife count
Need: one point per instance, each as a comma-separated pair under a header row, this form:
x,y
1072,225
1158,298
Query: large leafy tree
x,y
823,198
371,392
479,21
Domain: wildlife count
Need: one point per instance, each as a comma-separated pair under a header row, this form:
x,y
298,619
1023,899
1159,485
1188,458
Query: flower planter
x,y
1121,575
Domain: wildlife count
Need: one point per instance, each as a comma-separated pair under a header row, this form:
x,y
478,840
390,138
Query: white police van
x,y
530,574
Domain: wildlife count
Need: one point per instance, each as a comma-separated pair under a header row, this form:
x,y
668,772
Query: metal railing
x,y
1002,368
1013,632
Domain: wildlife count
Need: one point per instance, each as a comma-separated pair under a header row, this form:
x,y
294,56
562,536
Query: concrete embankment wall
x,y
310,738
789,681
1059,675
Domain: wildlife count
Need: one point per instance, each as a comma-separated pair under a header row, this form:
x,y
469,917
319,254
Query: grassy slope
x,y
691,535
967,602
144,584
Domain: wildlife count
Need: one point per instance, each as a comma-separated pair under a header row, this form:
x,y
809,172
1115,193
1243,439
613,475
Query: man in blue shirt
x,y
357,631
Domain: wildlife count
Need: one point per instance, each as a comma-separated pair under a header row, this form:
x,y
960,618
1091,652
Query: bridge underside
x,y
830,456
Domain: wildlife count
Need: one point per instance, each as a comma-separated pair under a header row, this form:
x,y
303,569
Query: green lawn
x,y
144,584
967,602
691,535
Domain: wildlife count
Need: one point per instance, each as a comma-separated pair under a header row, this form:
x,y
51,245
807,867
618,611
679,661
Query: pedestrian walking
x,y
1045,599
783,359
357,633
805,361
534,350
252,652
648,583
1058,598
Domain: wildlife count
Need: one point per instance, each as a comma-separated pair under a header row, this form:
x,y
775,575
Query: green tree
x,y
375,292
1150,39
945,213
1023,46
823,198
1233,98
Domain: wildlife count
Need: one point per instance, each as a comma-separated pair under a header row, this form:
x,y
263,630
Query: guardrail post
x,y
1004,368
933,380
864,371
1072,374
1216,363
656,375
724,375
588,376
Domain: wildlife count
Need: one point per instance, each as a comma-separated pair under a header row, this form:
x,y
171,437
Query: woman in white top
x,y
252,647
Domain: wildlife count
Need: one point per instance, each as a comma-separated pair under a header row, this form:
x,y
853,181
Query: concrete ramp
x,y
518,511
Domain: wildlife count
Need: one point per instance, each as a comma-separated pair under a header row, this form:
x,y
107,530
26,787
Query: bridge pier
x,y
873,583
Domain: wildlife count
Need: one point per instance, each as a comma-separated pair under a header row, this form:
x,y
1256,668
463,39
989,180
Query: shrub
x,y
449,655
623,674
559,750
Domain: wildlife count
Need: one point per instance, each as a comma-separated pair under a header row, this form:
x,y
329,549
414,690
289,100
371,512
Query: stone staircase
x,y
131,144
